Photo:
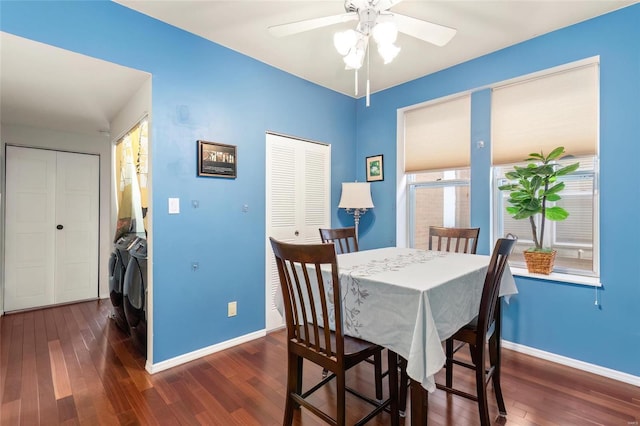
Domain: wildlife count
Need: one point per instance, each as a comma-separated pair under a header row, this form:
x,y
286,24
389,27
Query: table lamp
x,y
356,199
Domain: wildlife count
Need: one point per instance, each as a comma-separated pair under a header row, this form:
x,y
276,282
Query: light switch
x,y
174,205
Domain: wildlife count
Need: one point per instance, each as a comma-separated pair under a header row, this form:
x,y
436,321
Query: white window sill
x,y
555,276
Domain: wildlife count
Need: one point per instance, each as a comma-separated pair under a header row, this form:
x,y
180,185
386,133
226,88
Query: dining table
x,y
410,300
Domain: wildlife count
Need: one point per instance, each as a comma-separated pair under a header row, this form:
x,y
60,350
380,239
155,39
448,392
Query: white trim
x,y
570,362
183,359
402,227
558,277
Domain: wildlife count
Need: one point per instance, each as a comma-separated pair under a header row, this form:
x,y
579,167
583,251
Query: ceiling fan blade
x,y
310,24
383,5
424,30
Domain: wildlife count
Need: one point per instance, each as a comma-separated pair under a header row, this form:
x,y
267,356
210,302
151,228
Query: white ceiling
x,y
44,86
483,26
48,87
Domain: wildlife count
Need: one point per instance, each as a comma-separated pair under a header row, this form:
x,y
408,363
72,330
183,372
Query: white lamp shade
x,y
356,195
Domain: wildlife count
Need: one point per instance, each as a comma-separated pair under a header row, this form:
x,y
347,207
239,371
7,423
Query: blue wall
x,y
201,91
204,91
554,317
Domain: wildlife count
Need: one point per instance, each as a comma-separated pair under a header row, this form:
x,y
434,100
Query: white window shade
x,y
437,136
540,114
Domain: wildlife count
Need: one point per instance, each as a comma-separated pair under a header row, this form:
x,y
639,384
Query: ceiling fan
x,y
374,19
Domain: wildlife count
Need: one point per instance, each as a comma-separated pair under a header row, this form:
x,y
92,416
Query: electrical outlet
x,y
232,309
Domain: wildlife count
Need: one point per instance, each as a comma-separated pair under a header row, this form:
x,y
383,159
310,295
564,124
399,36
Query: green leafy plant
x,y
533,186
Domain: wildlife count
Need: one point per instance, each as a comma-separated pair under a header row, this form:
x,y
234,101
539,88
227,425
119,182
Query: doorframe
x,y
103,220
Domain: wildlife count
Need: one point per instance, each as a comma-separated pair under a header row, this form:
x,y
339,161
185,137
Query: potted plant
x,y
531,188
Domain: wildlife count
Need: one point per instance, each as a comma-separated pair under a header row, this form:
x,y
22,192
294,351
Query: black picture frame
x,y
375,170
217,160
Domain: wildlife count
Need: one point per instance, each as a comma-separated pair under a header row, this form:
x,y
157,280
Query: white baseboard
x,y
570,362
182,359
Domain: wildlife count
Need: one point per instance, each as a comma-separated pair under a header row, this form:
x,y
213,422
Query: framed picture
x,y
217,159
374,168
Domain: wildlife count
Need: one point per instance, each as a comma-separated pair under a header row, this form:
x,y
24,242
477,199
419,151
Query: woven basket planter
x,y
540,262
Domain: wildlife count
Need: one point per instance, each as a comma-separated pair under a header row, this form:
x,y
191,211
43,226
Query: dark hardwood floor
x,y
72,365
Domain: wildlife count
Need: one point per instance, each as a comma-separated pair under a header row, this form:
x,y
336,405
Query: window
x,y
437,199
437,160
574,238
540,113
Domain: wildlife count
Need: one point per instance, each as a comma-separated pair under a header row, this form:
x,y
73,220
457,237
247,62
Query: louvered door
x,y
298,196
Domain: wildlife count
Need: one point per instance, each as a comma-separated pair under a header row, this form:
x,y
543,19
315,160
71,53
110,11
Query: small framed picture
x,y
374,168
217,159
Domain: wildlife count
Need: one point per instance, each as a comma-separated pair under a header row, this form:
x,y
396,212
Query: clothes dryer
x,y
135,294
120,259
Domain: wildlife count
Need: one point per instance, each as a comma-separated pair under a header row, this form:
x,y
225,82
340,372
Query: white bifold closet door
x,y
52,227
298,199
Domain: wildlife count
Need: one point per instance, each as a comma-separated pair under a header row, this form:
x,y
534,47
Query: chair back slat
x,y
310,317
345,239
459,240
491,289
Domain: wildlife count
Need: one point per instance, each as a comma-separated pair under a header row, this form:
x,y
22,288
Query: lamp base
x,y
356,218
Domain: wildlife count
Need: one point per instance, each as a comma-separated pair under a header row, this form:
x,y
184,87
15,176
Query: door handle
x,y
59,227
296,233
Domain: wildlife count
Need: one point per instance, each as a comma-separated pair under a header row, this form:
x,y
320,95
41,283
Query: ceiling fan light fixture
x,y
345,41
385,33
388,51
355,58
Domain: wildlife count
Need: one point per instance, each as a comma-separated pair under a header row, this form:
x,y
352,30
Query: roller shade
x,y
559,109
437,136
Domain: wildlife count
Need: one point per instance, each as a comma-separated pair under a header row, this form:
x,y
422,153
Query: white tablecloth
x,y
409,300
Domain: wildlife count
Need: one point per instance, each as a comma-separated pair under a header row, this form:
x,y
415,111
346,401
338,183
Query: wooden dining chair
x,y
346,241
311,336
481,334
460,240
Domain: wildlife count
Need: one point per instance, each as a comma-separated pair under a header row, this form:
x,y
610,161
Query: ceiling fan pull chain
x,y
368,88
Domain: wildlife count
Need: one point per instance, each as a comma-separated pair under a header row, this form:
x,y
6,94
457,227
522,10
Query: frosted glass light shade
x,y
385,33
388,52
344,41
354,59
356,195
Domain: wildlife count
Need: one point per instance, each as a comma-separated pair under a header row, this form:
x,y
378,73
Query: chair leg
x,y
481,388
494,359
294,385
341,402
298,376
377,366
392,361
404,386
449,363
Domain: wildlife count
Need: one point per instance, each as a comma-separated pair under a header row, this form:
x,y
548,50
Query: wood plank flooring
x,y
71,365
